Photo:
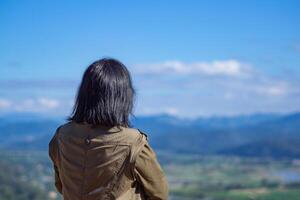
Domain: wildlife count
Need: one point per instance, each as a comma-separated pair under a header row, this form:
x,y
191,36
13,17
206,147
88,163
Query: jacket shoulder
x,y
65,125
143,133
135,133
61,129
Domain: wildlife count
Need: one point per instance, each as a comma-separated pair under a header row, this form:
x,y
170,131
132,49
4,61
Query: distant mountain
x,y
271,147
28,135
249,135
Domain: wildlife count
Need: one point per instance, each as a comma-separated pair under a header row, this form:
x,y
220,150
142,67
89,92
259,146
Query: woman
x,y
97,154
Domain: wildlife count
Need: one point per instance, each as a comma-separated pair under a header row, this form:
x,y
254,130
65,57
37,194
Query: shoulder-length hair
x,y
105,95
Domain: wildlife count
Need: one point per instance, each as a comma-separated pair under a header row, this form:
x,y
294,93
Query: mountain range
x,y
257,135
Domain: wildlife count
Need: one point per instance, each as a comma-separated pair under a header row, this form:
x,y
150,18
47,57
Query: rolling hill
x,y
252,135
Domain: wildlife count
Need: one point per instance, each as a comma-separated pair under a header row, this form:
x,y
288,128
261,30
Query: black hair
x,y
105,95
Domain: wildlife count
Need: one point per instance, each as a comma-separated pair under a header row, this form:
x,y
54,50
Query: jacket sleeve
x,y
150,175
52,151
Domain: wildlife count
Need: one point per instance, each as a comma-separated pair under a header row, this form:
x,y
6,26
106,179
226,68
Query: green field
x,y
28,175
232,178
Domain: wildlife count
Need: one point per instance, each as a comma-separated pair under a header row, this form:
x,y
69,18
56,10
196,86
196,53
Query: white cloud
x,y
231,68
270,87
48,103
233,75
171,110
5,104
159,110
30,105
224,87
274,90
213,88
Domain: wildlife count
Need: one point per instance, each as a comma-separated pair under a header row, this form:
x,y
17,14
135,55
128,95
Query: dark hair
x,y
105,95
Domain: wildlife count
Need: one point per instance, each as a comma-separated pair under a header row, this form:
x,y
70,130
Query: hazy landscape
x,y
216,90
217,158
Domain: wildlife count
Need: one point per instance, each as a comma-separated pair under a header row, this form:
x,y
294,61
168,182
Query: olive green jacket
x,y
95,163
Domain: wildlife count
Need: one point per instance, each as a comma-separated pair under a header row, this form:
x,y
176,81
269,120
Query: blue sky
x,y
188,58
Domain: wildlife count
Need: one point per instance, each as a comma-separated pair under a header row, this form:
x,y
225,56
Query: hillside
x,y
252,135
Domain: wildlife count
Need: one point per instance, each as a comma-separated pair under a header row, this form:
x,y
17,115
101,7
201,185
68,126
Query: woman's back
x,y
101,162
96,155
